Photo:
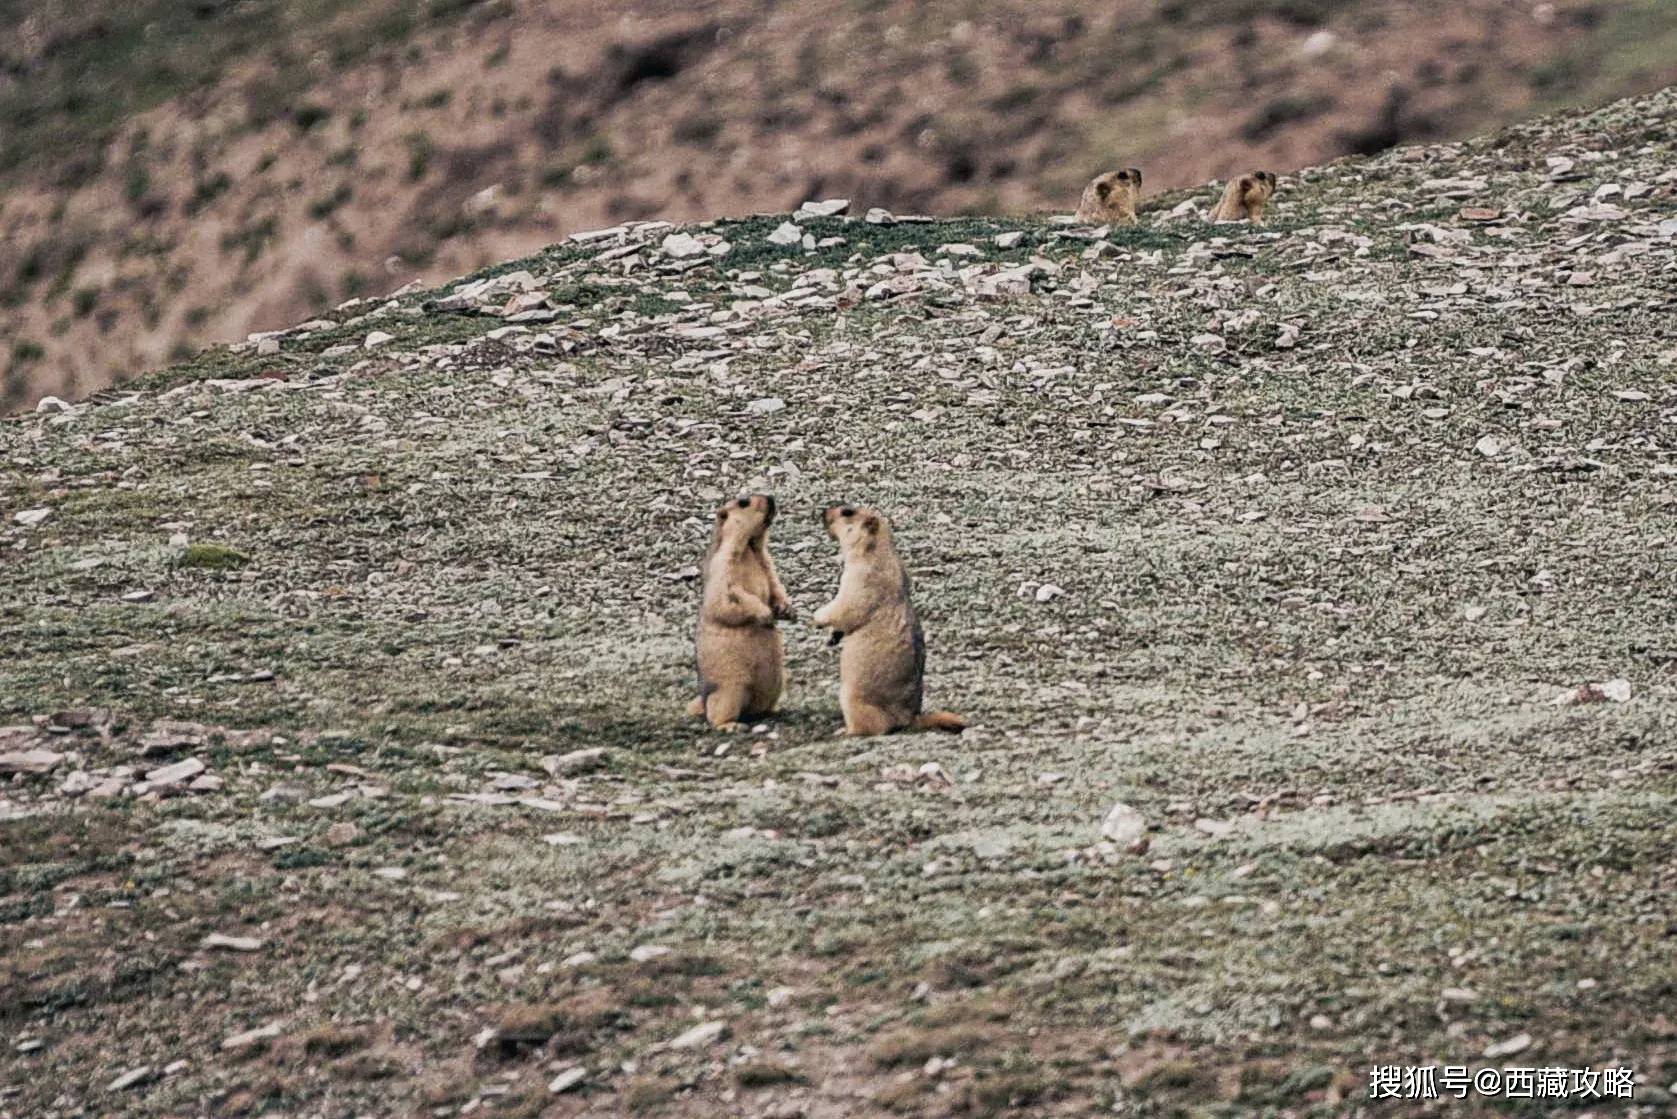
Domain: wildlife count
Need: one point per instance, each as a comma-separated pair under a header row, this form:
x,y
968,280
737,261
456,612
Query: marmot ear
x,y
870,524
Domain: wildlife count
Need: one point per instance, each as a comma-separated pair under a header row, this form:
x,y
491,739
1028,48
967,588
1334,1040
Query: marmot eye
x,y
847,511
744,503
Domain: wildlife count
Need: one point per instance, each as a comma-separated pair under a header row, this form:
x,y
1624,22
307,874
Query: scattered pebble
x,y
250,1038
130,1078
699,1036
1519,1043
1124,825
567,1080
232,943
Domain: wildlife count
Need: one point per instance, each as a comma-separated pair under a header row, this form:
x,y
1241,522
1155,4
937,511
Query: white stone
x,y
786,234
828,208
1318,43
30,761
588,235
567,1080
1123,824
251,1037
700,1035
129,1079
1519,1043
1618,691
679,246
175,774
31,517
577,761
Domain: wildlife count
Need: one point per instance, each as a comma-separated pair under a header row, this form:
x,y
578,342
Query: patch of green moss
x,y
212,557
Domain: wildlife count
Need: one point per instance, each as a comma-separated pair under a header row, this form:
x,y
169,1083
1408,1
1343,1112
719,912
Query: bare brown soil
x,y
300,172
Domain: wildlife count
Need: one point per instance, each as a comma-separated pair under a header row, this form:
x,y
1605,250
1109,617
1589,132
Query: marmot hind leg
x,y
864,719
725,705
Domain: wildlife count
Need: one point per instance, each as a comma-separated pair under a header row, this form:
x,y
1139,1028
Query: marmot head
x,y
857,528
1265,179
746,518
1129,179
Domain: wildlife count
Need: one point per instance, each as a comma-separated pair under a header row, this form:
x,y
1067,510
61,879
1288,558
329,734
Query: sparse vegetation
x,y
207,190
212,557
25,351
252,239
326,205
307,117
420,150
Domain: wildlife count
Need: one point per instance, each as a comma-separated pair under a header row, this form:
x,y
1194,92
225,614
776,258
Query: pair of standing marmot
x,y
1112,198
742,666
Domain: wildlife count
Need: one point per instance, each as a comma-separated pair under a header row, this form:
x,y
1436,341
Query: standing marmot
x,y
1111,198
883,663
1245,197
742,667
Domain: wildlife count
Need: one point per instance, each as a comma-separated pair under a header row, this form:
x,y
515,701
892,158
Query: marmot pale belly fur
x,y
882,664
1245,197
742,667
1111,198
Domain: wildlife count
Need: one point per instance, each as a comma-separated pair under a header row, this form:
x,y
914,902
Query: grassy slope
x,y
455,570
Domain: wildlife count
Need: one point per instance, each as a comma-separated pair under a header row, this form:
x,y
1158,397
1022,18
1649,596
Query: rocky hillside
x,y
1309,590
176,174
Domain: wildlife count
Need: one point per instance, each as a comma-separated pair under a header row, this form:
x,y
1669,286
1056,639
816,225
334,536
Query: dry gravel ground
x,y
346,671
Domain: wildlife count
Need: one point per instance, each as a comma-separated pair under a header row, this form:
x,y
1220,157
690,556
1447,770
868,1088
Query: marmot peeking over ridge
x,y
1245,197
1111,198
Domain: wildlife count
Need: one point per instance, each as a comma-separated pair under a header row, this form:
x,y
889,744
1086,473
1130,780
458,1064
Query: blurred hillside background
x,y
178,172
